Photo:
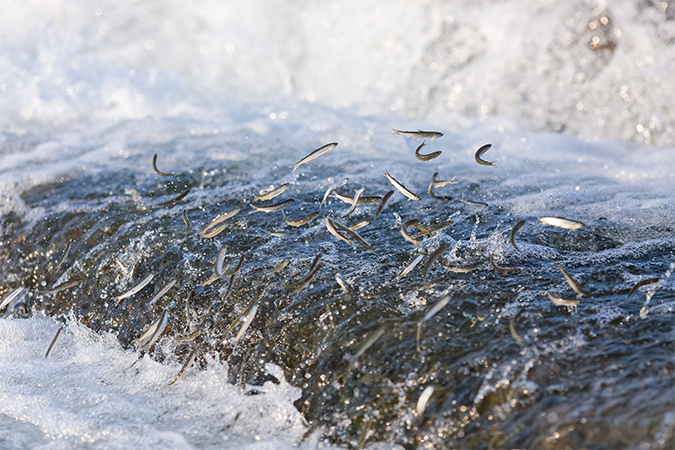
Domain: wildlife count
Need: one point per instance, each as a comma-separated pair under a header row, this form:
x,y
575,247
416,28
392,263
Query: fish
x,y
272,193
315,154
401,188
573,284
639,284
54,341
441,183
431,191
153,332
374,336
211,230
9,297
355,202
330,225
561,222
175,200
63,286
563,301
300,285
354,235
69,245
512,326
332,189
419,134
480,153
281,266
512,235
247,320
163,291
315,261
427,157
187,223
143,283
188,362
435,255
272,208
363,200
472,204
433,228
157,171
410,266
430,314
303,221
503,270
385,197
406,236
220,260
358,226
236,268
424,399
464,269
346,288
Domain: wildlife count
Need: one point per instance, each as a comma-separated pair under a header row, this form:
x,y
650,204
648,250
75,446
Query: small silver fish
x,y
480,153
512,235
272,208
430,314
157,171
220,261
385,197
315,154
9,297
369,342
363,200
431,189
563,301
54,341
187,222
358,226
153,332
163,291
441,183
435,255
281,266
346,288
419,134
410,266
427,157
175,200
512,326
423,400
573,284
300,222
143,283
210,229
330,225
464,269
300,285
69,245
354,235
639,284
247,320
561,222
401,188
272,193
355,202
406,236
63,286
503,270
332,189
472,204
188,362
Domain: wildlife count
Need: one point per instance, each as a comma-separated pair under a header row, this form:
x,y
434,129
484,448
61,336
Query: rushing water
x,y
80,202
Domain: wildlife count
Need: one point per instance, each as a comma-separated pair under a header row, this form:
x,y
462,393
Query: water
x,y
93,94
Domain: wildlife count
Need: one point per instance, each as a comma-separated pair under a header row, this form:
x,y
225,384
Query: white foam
x,y
86,396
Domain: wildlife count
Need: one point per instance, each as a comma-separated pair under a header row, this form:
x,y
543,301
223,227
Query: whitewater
x,y
577,101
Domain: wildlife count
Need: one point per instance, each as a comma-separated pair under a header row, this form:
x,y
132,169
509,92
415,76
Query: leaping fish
x,y
427,157
561,222
272,193
573,284
272,208
144,282
401,188
419,134
512,235
430,314
315,154
480,153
